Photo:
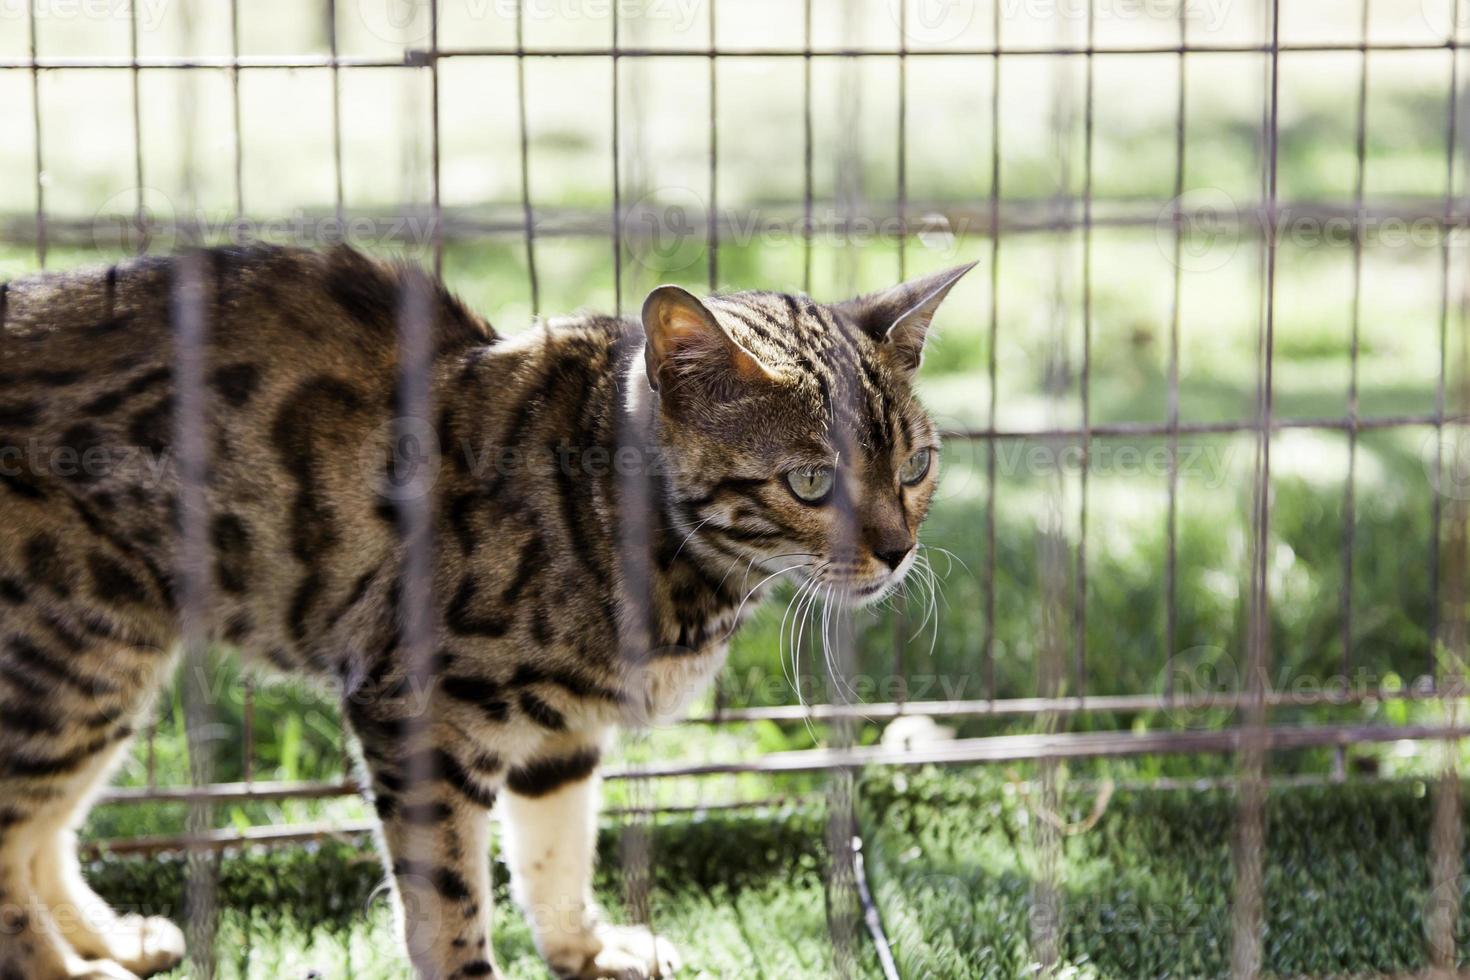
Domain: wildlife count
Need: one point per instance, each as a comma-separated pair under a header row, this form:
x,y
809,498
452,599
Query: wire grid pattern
x,y
1065,654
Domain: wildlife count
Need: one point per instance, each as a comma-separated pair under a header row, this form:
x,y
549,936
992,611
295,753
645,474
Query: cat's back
x,y
302,303
98,345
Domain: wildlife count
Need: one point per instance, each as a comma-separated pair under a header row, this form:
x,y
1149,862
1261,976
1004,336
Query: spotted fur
x,y
605,496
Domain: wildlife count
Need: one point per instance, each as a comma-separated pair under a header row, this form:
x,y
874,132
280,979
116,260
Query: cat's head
x,y
796,440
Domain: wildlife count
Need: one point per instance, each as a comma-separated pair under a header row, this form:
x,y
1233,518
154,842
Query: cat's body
x,y
557,533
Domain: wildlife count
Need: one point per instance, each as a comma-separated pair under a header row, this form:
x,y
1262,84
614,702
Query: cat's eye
x,y
811,484
915,468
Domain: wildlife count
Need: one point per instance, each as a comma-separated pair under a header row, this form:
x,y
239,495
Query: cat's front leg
x,y
550,818
434,808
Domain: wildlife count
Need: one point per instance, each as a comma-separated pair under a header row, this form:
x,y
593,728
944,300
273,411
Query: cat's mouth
x,y
865,595
857,591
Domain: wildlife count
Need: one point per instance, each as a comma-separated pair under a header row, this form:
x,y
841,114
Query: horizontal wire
x,y
422,58
1198,428
969,751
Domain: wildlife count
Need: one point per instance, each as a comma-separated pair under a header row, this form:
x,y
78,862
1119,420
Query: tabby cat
x,y
600,502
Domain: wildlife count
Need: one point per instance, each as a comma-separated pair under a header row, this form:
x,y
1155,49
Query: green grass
x,y
1146,892
741,895
954,858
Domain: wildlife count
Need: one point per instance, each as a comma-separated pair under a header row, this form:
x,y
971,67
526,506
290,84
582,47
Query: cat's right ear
x,y
687,344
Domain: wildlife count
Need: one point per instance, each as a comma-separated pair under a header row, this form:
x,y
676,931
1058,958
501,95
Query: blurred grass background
x,y
1412,288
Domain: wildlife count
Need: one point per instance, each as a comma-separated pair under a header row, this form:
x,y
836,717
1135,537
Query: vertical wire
x,y
635,541
837,634
247,738
1247,913
528,218
1171,555
189,302
190,338
438,208
900,601
808,189
1059,576
140,223
247,748
140,214
338,194
1080,621
413,505
194,293
903,127
40,165
1448,638
1439,385
617,187
721,692
992,362
1349,501
713,234
339,200
235,108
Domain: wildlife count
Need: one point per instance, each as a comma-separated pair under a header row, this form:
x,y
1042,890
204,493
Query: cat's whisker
x,y
932,612
953,558
926,583
938,579
828,644
801,605
756,588
793,608
680,549
796,609
810,587
853,695
750,562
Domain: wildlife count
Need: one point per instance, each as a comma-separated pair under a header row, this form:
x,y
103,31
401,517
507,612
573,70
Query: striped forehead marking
x,y
800,339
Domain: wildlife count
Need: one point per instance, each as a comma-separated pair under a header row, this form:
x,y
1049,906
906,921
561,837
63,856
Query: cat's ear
x,y
899,318
687,343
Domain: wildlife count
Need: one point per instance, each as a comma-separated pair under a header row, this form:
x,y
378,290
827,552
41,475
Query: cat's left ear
x,y
899,318
687,344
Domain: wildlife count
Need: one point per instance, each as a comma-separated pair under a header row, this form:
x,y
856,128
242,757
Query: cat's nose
x,y
892,557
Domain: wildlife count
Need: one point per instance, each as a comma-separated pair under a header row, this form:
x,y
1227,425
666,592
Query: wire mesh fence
x,y
1066,718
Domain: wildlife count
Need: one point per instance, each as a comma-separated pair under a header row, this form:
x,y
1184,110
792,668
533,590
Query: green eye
x,y
811,483
916,468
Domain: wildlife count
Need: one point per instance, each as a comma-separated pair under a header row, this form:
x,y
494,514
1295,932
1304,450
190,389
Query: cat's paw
x,y
617,953
145,945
